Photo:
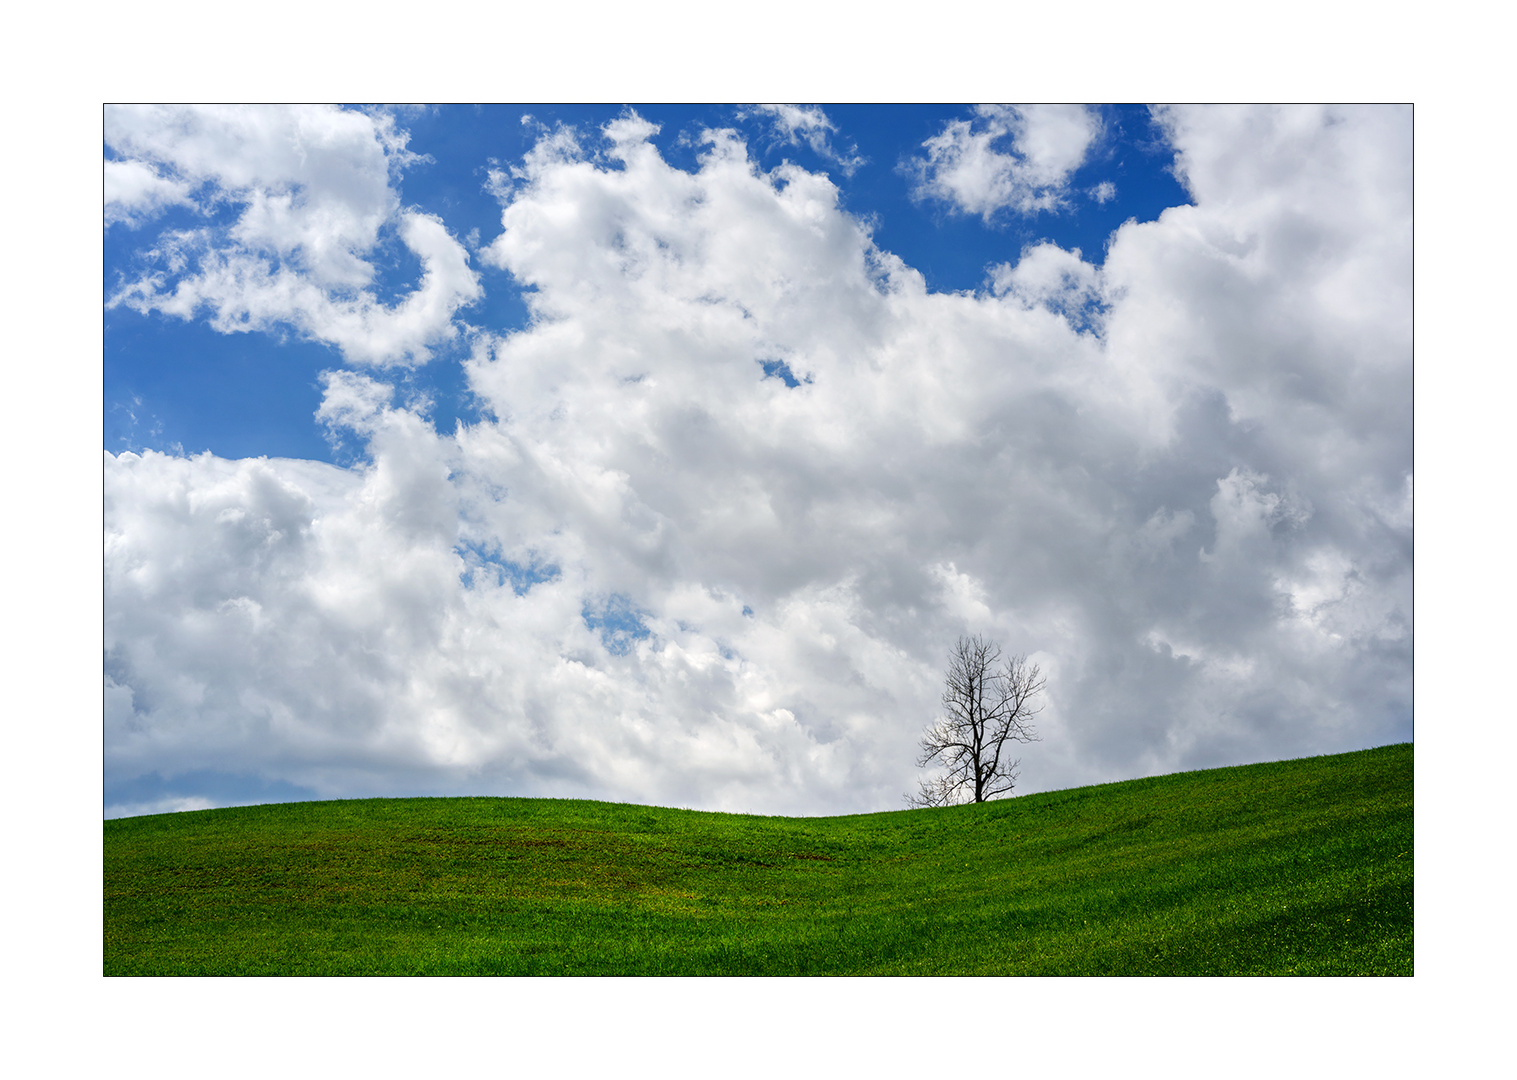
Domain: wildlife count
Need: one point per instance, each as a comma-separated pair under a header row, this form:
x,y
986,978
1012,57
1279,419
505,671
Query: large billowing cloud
x,y
743,479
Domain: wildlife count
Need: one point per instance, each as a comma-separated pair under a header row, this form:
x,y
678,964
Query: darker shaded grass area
x,y
1289,868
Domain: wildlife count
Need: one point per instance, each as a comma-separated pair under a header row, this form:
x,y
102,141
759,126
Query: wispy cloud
x,y
795,125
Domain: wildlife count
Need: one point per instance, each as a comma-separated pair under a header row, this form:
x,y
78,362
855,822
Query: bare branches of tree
x,y
987,703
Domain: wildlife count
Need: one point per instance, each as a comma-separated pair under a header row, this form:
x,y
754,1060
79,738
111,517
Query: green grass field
x,y
1290,868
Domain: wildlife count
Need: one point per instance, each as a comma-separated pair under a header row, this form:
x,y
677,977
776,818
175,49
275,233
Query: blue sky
x,y
660,454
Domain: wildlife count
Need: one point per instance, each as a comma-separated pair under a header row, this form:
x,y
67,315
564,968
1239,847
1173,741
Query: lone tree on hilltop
x,y
986,704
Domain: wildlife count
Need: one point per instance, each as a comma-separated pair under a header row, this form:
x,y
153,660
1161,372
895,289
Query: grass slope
x,y
1290,868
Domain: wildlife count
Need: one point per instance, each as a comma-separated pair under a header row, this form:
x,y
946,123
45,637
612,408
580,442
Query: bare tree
x,y
986,704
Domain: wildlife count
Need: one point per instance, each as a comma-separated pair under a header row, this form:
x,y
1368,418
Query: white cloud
x,y
135,191
797,124
656,574
313,187
1043,145
1050,277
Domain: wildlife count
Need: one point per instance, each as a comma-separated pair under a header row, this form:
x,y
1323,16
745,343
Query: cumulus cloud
x,y
312,188
657,572
135,191
1014,158
1050,277
808,124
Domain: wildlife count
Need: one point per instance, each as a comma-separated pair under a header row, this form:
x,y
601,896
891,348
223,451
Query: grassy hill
x,y
1289,868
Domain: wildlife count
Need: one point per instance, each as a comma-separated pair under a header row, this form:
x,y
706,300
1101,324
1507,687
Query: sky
x,y
660,454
